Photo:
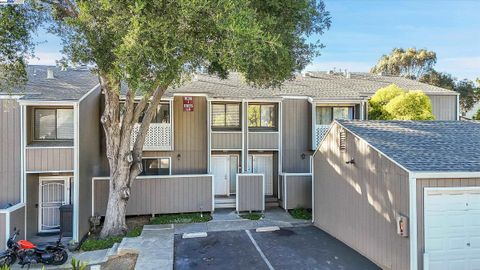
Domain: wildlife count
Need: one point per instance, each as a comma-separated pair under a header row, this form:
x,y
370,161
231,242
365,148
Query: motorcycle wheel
x,y
59,257
8,260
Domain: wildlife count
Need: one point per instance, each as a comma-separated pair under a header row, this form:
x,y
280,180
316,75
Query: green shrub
x,y
252,216
301,213
77,265
95,243
181,218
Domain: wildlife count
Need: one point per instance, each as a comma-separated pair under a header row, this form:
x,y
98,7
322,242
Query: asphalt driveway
x,y
292,248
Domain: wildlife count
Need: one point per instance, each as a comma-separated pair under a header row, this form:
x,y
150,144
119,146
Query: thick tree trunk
x,y
125,159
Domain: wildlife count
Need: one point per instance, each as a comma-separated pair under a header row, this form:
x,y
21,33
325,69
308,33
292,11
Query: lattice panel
x,y
159,136
320,132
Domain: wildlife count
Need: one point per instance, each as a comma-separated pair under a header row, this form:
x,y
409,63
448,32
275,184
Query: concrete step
x,y
225,205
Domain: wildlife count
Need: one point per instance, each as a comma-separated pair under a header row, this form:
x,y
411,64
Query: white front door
x,y
221,172
452,228
53,193
263,164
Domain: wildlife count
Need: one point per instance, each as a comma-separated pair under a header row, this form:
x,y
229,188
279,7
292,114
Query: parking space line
x,y
259,250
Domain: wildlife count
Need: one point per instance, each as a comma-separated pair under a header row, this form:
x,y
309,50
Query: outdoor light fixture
x,y
179,156
302,155
351,161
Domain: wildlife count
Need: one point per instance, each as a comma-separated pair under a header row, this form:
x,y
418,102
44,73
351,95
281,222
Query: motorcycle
x,y
28,253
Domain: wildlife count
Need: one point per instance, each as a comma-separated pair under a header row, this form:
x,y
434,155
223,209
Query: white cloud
x,y
44,58
349,65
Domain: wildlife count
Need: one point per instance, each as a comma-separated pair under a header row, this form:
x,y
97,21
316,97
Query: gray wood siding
x,y
423,183
17,220
224,140
262,140
10,150
295,137
444,107
250,193
90,156
161,195
3,233
190,139
299,191
358,203
49,159
32,201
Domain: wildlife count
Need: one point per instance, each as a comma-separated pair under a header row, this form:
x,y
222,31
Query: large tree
x,y
151,45
410,63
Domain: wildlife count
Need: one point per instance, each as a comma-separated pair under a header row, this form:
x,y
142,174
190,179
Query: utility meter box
x,y
402,226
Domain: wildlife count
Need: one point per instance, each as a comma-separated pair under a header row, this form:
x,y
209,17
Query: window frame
x,y
262,128
143,173
331,112
225,127
34,131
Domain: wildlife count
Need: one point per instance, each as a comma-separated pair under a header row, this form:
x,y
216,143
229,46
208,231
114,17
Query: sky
x,y
363,30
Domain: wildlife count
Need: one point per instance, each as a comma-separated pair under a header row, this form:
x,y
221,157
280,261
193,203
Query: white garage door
x,y
452,229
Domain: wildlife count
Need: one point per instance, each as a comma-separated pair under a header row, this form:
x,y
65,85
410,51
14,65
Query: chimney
x,y
50,74
346,73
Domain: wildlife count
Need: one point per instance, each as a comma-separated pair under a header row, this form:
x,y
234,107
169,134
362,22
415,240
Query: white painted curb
x,y
194,235
267,229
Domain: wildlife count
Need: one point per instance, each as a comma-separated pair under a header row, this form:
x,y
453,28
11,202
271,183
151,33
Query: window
x,y
226,116
162,114
156,166
325,115
53,124
262,116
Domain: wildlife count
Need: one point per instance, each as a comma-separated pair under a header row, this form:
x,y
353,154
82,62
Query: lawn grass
x,y
95,243
252,216
181,218
301,213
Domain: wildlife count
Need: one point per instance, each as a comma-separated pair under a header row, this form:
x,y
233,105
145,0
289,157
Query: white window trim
x,y
160,157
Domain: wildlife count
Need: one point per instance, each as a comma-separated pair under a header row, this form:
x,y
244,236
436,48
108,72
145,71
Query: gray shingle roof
x,y
73,84
424,146
67,85
318,85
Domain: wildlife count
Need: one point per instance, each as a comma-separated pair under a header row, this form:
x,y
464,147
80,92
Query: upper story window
x,y
326,114
162,115
53,124
226,116
262,116
156,166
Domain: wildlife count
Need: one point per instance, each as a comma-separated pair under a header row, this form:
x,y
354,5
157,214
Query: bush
x,y
394,103
95,243
181,218
252,216
301,213
476,116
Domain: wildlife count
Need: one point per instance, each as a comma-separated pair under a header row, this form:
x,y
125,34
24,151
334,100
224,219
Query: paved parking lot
x,y
293,248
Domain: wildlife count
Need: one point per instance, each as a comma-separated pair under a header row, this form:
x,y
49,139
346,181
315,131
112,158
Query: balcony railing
x,y
159,137
320,132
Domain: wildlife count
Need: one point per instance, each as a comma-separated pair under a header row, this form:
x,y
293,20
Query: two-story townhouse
x,y
212,144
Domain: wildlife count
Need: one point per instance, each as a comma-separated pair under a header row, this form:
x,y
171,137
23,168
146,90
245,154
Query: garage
x,y
404,194
452,228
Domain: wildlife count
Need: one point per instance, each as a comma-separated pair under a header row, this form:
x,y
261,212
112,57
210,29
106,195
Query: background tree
x,y
394,103
440,79
469,94
410,63
151,45
476,116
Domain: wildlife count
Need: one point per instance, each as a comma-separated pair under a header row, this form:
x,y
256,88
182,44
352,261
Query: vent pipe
x,y
50,74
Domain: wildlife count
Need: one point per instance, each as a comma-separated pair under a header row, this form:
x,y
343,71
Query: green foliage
x,y
301,213
394,103
181,218
17,24
476,116
412,105
78,265
252,216
381,98
5,267
95,243
440,79
410,63
469,94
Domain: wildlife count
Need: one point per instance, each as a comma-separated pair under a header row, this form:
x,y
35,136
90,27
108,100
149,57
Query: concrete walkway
x,y
228,220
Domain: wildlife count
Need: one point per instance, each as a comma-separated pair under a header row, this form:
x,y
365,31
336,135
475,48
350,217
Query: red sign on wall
x,y
188,104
